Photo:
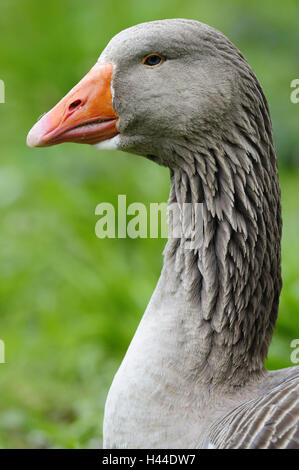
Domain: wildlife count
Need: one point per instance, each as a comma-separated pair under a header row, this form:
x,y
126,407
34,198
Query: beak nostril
x,y
74,105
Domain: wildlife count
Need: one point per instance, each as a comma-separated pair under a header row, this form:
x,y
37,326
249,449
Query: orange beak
x,y
85,115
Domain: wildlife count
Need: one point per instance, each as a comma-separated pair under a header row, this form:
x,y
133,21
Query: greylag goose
x,y
181,94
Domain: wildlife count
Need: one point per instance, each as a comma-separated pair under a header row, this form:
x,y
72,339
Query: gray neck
x,y
208,325
229,288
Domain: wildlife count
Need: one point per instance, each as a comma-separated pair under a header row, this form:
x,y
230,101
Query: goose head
x,y
155,84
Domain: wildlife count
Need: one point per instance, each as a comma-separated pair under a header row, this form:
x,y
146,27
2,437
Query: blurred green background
x,y
70,302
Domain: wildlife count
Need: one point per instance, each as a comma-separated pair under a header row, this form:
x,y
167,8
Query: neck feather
x,y
234,278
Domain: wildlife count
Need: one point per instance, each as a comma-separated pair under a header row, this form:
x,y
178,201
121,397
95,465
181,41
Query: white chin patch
x,y
109,144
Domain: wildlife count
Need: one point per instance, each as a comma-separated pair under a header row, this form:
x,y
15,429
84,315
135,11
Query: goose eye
x,y
152,60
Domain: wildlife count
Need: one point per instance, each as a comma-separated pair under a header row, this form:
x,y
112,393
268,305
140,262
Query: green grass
x,y
70,302
288,320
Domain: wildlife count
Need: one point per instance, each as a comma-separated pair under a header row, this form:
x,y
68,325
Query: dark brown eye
x,y
152,60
